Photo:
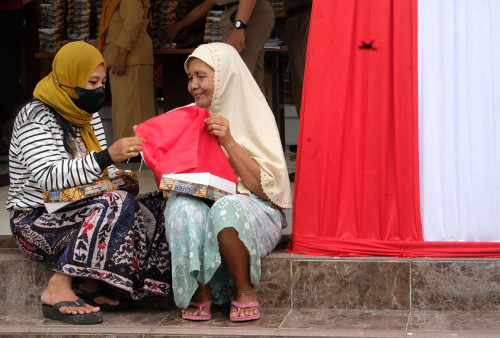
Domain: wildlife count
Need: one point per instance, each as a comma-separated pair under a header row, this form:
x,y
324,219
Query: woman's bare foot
x,y
90,285
58,290
201,296
244,296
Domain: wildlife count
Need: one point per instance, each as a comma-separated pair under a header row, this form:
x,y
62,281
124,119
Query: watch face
x,y
239,24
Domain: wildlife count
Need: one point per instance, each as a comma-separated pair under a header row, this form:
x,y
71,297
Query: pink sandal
x,y
200,307
237,318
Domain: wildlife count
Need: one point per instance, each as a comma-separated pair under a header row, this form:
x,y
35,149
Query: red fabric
x,y
178,142
325,246
357,163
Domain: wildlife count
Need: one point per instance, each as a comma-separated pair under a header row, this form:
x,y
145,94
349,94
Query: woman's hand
x,y
125,148
120,62
219,127
237,39
246,167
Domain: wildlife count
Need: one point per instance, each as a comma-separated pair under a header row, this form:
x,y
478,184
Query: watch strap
x,y
239,24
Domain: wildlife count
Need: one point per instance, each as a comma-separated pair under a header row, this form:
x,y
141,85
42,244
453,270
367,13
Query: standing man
x,y
128,51
245,24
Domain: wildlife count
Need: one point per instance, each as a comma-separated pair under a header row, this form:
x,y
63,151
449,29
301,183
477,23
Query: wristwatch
x,y
238,24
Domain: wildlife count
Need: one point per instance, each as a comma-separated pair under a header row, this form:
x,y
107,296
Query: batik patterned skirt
x,y
192,227
116,237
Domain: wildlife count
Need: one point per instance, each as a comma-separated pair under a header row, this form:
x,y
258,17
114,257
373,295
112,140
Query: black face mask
x,y
90,100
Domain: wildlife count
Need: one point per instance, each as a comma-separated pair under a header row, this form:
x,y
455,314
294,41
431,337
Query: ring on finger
x,y
131,149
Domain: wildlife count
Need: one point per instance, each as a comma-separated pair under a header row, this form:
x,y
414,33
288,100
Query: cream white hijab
x,y
237,97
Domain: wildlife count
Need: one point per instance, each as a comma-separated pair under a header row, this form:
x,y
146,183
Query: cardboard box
x,y
57,199
204,185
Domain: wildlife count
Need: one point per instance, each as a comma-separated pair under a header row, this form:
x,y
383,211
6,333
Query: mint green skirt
x,y
192,227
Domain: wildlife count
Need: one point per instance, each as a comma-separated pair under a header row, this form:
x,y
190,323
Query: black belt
x,y
298,9
227,6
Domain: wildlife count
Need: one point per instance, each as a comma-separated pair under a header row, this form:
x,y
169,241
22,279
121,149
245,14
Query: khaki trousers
x,y
259,29
132,99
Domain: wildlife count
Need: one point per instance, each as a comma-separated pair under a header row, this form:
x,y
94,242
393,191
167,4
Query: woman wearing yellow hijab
x,y
109,242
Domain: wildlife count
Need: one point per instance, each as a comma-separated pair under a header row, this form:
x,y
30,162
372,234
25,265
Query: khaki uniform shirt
x,y
127,29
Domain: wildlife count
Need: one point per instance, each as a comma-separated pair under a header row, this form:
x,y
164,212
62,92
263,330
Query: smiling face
x,y
98,78
200,82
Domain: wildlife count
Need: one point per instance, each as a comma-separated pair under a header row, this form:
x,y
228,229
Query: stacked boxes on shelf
x,y
212,26
68,20
78,20
52,32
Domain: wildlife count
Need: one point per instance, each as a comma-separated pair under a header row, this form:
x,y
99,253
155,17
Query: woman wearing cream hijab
x,y
216,250
114,241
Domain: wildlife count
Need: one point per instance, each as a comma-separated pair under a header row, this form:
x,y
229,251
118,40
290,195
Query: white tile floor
x,y
146,183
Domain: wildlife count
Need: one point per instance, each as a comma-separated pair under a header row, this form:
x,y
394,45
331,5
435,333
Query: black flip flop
x,y
90,296
52,312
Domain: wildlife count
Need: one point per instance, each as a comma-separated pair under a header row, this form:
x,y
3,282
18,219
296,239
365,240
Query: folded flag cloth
x,y
178,142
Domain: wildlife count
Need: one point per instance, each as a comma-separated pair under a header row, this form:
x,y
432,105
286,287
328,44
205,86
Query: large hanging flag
x,y
399,141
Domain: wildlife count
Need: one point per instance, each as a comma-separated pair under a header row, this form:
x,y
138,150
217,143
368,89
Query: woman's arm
x,y
132,13
118,151
40,152
247,168
243,13
195,14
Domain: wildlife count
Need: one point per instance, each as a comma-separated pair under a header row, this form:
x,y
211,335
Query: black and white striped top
x,y
38,160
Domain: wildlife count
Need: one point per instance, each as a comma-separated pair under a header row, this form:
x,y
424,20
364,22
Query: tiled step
x,y
314,282
28,321
300,296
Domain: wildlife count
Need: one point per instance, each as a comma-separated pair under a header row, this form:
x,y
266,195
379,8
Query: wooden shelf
x,y
167,51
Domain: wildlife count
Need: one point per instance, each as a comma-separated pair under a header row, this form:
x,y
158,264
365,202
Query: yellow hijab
x,y
72,66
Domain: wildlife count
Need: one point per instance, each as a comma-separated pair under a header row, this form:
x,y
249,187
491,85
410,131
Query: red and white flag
x,y
399,141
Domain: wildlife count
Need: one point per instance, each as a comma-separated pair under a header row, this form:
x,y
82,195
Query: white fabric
x,y
459,116
237,97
